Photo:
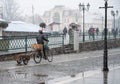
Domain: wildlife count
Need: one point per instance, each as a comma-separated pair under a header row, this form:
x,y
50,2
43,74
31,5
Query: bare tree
x,y
10,10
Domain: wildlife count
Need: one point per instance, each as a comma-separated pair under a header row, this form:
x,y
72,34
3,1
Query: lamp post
x,y
83,7
105,57
113,13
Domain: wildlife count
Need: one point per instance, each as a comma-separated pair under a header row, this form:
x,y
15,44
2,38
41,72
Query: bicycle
x,y
38,53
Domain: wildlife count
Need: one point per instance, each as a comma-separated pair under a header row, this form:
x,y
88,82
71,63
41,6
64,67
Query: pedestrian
x,y
89,32
40,40
93,32
65,32
97,31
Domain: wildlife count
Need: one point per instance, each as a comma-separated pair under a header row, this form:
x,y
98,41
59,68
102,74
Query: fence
x,y
24,42
99,36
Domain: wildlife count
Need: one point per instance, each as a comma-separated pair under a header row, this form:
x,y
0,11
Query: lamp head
x,y
80,6
88,6
112,13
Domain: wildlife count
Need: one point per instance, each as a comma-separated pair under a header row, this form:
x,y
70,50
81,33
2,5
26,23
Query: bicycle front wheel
x,y
37,57
49,55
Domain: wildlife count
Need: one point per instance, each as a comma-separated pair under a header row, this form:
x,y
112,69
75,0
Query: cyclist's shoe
x,y
45,57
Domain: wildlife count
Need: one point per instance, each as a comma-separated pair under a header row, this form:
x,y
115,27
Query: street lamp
x,y
105,57
113,13
83,7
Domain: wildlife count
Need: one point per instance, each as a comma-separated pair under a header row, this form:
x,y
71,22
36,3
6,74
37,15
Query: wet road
x,y
62,66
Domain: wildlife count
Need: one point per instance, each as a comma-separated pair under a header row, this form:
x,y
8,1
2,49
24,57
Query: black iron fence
x,y
24,42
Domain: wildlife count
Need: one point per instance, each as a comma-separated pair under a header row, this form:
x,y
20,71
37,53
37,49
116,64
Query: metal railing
x,y
24,42
100,36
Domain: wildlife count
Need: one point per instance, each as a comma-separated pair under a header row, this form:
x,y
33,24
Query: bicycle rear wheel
x,y
19,61
49,55
37,56
25,61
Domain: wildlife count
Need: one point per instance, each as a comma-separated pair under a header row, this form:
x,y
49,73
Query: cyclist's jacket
x,y
40,39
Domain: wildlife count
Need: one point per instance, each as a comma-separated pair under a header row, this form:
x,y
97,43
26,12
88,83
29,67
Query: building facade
x,y
64,16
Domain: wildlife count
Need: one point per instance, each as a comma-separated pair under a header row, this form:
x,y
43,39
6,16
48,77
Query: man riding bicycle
x,y
40,40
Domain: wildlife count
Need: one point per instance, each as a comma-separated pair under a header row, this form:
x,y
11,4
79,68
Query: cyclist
x,y
40,40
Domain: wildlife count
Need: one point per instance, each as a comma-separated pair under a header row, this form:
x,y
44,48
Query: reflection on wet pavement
x,y
105,77
111,77
21,77
29,75
37,73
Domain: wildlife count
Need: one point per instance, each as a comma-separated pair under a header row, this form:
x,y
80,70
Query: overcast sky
x,y
43,5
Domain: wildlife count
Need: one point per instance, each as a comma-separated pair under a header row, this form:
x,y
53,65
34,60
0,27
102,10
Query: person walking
x,y
65,32
93,32
97,31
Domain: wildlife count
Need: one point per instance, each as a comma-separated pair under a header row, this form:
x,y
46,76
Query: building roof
x,y
20,26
